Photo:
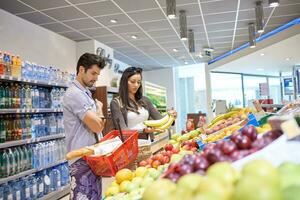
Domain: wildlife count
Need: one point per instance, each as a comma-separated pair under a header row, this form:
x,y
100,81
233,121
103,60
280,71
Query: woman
x,y
131,108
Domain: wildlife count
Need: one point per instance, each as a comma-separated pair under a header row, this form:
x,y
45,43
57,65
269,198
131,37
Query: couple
x,y
83,117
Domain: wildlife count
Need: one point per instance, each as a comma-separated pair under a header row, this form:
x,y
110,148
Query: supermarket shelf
x,y
28,141
28,172
37,110
57,194
31,82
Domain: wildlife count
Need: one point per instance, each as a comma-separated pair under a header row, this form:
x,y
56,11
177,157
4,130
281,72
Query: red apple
x,y
175,150
166,159
164,153
194,149
143,163
186,147
149,161
168,147
169,153
156,163
148,166
158,156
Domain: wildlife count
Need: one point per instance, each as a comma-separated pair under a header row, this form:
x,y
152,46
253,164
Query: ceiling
x,y
220,24
281,56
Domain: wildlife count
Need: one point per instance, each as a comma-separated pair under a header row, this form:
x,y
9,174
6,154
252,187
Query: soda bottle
x,y
8,128
22,159
18,128
1,64
14,130
13,96
22,97
17,96
12,162
28,126
28,97
26,161
3,164
8,95
14,66
2,96
2,129
19,66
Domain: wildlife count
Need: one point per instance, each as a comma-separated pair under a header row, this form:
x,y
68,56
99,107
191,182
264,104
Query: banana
x,y
157,123
168,124
222,117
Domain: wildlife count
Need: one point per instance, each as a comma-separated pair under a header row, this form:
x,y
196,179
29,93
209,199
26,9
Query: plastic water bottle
x,y
5,165
36,98
23,96
22,159
40,185
8,192
64,169
52,124
1,192
28,126
17,160
55,178
33,187
47,181
26,186
42,155
16,190
12,162
42,126
33,126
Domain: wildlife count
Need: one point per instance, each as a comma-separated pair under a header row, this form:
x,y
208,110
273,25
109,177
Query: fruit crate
x,y
108,165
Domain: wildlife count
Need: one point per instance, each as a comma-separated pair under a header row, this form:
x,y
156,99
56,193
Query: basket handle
x,y
120,130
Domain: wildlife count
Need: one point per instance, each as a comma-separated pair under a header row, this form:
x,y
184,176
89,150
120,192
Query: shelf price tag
x,y
10,78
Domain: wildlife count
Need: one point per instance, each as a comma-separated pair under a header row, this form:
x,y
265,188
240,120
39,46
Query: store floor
x,y
105,184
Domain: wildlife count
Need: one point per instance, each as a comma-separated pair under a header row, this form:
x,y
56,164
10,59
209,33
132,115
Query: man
x,y
83,120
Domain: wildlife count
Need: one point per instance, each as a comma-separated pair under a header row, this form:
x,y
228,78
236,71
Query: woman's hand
x,y
152,130
173,113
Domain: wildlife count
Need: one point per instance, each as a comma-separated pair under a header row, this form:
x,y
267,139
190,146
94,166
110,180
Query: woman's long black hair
x,y
123,90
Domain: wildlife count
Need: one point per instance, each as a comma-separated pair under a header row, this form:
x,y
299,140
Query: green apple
x,y
176,158
132,186
250,188
137,180
224,172
214,187
291,193
147,181
172,141
262,169
190,182
160,189
289,174
175,136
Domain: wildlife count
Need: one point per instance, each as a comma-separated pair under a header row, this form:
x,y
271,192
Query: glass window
x,y
275,93
227,87
251,87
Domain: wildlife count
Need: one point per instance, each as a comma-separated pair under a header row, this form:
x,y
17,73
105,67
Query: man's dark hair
x,y
89,59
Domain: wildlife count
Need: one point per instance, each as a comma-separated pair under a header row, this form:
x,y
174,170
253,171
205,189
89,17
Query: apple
x,y
161,189
156,163
186,147
250,132
227,147
148,166
224,172
175,150
149,161
194,149
169,153
189,182
166,159
168,147
158,156
164,153
243,142
143,163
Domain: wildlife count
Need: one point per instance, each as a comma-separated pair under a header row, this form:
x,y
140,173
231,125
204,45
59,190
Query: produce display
x,y
185,170
258,180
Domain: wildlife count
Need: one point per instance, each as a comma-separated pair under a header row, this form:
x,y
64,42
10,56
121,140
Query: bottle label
x,y
41,187
34,188
2,134
10,197
18,195
47,180
27,193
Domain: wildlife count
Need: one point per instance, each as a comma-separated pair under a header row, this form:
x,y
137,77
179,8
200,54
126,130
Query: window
x,y
275,93
227,87
251,87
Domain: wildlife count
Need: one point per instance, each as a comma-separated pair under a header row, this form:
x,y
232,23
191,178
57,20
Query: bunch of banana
x,y
161,124
222,117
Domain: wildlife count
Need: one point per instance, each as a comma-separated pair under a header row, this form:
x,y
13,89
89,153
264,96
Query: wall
x,y
36,44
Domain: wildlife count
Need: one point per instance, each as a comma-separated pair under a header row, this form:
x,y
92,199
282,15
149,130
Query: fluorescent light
x,y
262,54
134,36
186,62
114,21
191,41
259,14
259,69
273,3
288,59
252,39
175,50
171,8
184,39
182,25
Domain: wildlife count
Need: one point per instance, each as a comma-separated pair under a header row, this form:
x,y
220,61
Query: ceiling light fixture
x,y
183,25
186,62
191,41
200,55
175,50
259,69
134,36
262,54
114,21
171,8
259,14
288,59
252,41
273,3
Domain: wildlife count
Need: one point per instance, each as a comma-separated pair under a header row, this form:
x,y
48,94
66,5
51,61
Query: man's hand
x,y
152,130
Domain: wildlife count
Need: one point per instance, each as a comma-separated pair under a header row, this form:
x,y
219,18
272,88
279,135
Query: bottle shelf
x,y
33,110
28,172
29,141
57,194
31,82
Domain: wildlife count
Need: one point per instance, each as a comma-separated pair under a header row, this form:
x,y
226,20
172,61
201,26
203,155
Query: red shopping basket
x,y
108,165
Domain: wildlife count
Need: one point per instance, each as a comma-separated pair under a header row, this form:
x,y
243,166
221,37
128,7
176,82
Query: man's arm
x,y
93,121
